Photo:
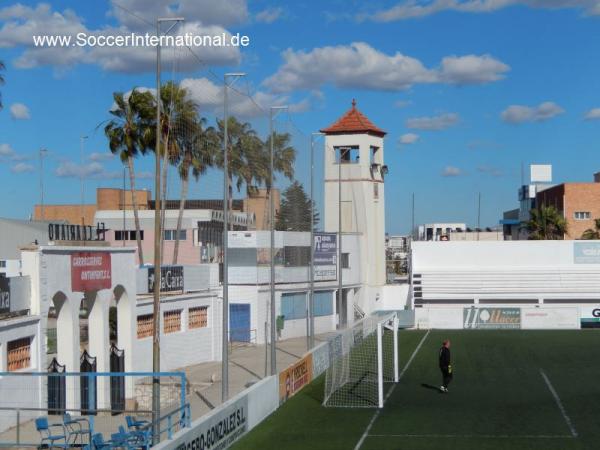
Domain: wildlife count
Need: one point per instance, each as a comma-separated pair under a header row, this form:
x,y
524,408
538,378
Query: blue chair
x,y
133,424
49,439
125,440
75,428
98,442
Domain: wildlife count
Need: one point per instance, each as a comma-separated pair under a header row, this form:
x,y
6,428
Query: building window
x,y
198,317
171,235
345,260
296,256
293,305
347,155
323,303
172,321
582,215
19,354
2,264
127,235
145,326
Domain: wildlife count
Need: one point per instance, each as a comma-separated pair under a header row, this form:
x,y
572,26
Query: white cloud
x,y
434,123
410,9
516,114
68,169
359,65
210,12
451,171
592,114
21,23
99,157
472,69
269,15
6,150
208,95
22,168
408,139
19,111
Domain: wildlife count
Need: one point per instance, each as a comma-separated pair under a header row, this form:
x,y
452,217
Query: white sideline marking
x,y
478,436
559,403
366,433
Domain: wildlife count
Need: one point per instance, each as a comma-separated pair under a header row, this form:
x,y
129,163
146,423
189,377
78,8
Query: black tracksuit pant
x,y
446,376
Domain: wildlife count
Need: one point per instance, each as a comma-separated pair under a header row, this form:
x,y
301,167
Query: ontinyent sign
x,y
66,232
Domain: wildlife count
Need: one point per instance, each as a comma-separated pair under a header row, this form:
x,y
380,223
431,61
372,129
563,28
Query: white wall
x,y
187,346
536,271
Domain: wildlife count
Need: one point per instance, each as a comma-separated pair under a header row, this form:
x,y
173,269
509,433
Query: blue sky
x,y
468,90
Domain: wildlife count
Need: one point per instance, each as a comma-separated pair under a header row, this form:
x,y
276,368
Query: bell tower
x,y
354,178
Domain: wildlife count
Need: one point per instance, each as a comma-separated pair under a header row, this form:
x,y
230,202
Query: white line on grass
x,y
477,436
559,403
374,418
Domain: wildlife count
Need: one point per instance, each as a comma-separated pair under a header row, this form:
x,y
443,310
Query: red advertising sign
x,y
90,271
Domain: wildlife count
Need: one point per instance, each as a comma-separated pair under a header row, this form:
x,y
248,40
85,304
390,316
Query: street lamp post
x,y
157,242
272,114
225,334
81,140
311,299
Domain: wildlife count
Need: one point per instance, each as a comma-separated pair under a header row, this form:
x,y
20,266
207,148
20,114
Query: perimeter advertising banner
x,y
325,254
295,377
492,318
219,431
90,271
586,253
590,316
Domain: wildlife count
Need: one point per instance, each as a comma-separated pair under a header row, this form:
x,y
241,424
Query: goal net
x,y
361,360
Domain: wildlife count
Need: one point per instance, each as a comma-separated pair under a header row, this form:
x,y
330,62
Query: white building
x,y
436,231
354,177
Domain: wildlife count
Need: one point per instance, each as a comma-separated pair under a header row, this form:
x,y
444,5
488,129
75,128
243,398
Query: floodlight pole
x,y
311,297
157,242
43,151
225,314
272,114
81,139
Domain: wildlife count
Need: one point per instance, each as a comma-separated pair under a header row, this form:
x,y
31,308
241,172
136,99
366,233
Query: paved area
x,y
248,364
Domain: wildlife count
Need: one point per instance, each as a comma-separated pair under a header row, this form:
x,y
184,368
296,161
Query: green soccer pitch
x,y
511,390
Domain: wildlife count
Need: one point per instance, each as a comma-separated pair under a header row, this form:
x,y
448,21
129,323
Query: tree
x,y
296,208
546,223
198,147
592,233
178,116
1,82
129,133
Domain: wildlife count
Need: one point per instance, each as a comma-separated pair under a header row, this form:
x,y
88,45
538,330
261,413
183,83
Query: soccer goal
x,y
361,359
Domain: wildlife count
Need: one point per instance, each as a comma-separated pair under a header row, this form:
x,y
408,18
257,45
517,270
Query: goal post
x,y
362,359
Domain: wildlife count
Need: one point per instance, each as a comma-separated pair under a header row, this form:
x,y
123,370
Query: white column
x,y
126,335
99,344
67,343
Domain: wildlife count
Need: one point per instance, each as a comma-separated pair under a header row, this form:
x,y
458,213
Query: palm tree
x,y
546,223
592,233
1,81
178,114
199,148
129,133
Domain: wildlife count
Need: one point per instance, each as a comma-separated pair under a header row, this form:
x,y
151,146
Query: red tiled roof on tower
x,y
353,122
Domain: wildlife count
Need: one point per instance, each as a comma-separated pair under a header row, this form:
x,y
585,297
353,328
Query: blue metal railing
x,y
175,419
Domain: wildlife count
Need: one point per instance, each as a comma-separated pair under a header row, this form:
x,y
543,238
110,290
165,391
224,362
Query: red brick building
x,y
578,202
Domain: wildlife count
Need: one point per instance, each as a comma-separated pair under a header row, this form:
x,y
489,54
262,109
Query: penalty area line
x,y
477,436
374,418
559,404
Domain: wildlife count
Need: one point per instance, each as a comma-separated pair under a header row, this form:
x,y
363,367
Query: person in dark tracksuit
x,y
445,365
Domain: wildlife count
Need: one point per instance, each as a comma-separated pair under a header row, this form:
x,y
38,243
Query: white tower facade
x,y
355,171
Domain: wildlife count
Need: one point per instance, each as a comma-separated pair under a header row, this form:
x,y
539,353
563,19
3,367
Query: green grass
x,y
498,398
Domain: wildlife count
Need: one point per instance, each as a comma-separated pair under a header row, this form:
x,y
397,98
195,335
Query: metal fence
x,y
104,399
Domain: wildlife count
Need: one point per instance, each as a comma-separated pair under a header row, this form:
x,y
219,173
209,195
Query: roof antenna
x,y
353,103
